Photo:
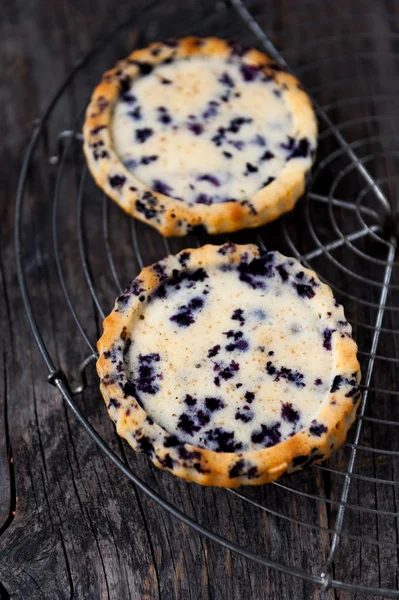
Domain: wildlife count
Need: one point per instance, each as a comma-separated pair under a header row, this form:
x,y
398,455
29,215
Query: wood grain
x,y
81,529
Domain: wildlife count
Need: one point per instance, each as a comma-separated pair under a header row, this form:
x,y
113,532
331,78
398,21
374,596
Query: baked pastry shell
x,y
203,466
173,217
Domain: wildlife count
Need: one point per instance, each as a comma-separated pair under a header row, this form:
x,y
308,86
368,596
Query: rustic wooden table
x,y
71,524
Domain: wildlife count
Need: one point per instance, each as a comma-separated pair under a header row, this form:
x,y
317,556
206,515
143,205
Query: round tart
x,y
229,366
200,133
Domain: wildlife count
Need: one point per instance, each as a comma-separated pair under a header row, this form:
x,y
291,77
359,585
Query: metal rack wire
x,y
328,231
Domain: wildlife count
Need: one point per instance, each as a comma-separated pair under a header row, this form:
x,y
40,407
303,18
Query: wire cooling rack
x,y
345,228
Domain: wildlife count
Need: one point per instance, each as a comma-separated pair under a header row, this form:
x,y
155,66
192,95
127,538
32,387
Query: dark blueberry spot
x,y
171,441
318,381
213,404
189,400
188,454
114,402
253,273
229,371
282,271
195,128
227,154
271,353
145,68
145,445
129,389
166,462
143,134
117,181
211,111
241,345
225,79
236,124
304,291
219,138
244,415
183,258
238,315
165,81
294,377
236,335
148,210
249,72
288,413
221,440
187,424
210,178
184,317
267,155
213,351
259,140
237,469
301,149
228,248
317,429
327,335
336,384
267,181
267,435
146,160
250,168
237,144
135,113
161,187
249,397
204,199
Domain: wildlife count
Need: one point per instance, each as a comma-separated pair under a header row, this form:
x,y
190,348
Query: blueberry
x,y
213,404
210,178
204,199
288,413
318,381
187,424
327,335
146,160
249,72
245,416
135,113
213,351
336,384
117,181
267,435
145,68
189,400
317,429
161,187
249,397
267,155
195,128
250,168
225,79
227,154
282,271
143,134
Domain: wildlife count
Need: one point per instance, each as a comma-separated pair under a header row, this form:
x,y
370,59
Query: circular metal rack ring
x,y
370,223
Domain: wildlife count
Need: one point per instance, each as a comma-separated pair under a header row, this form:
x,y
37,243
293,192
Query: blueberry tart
x,y
200,133
229,366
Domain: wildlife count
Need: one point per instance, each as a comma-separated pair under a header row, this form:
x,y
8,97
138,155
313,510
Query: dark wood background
x,y
71,525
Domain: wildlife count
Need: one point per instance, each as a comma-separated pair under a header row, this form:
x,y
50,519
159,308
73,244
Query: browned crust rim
x,y
208,467
170,216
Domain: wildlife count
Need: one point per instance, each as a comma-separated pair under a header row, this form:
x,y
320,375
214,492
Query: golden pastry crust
x,y
170,216
312,443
